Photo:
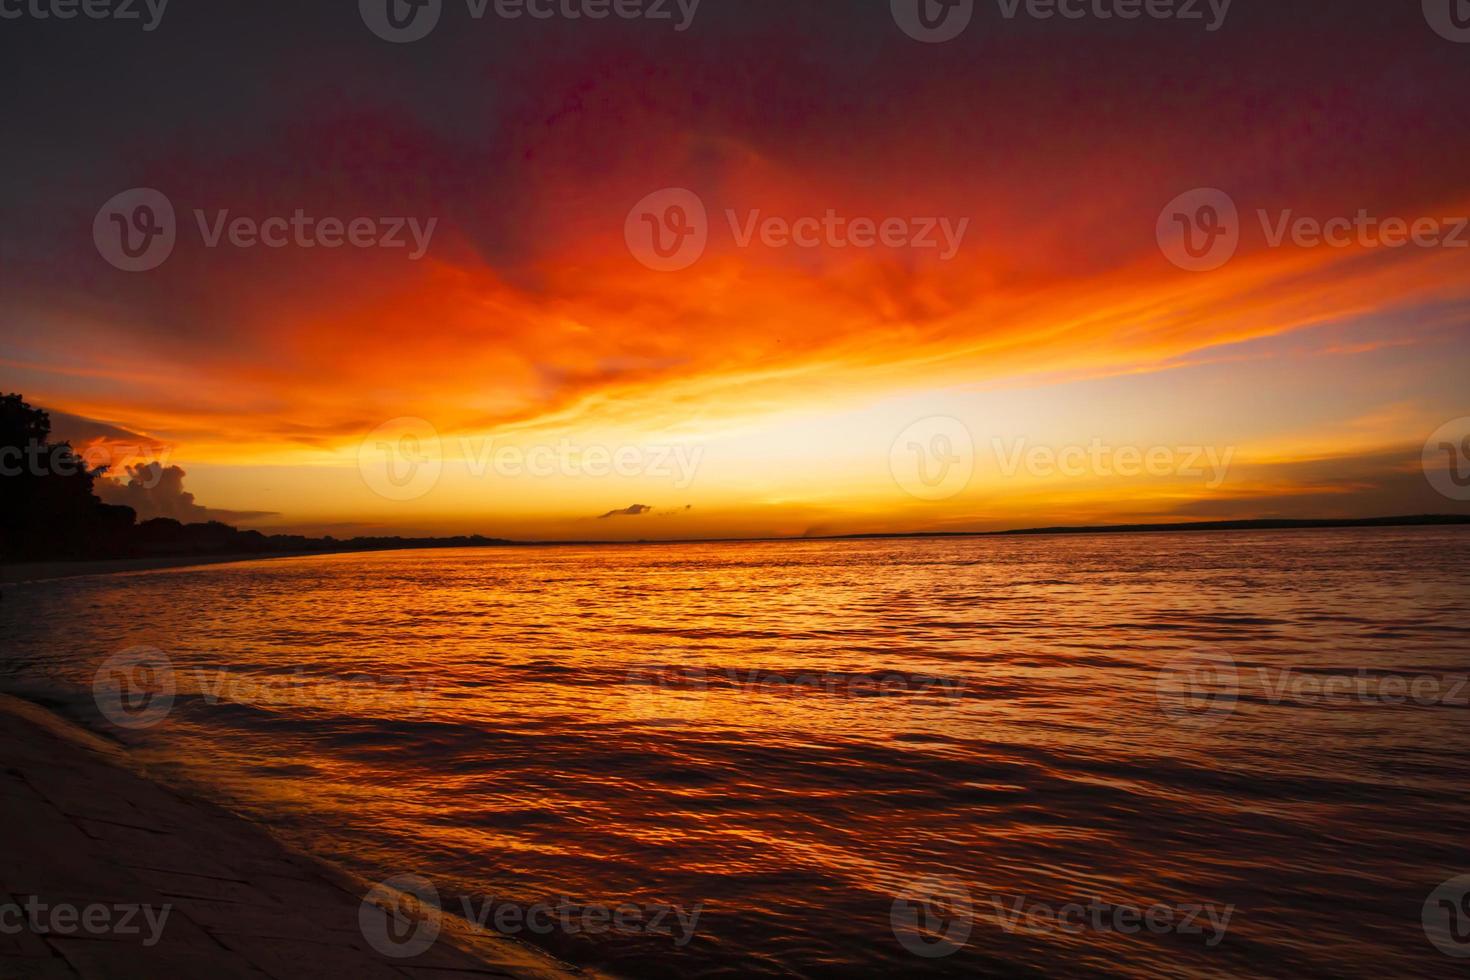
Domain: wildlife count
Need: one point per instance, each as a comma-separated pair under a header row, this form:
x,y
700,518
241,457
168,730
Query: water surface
x,y
791,736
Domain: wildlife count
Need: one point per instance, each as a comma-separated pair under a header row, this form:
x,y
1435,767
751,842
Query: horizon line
x,y
1243,524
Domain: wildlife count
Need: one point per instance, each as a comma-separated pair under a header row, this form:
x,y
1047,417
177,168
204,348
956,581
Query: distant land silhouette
x,y
52,514
1253,524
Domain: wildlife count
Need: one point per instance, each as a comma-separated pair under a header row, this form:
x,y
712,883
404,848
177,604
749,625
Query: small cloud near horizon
x,y
636,510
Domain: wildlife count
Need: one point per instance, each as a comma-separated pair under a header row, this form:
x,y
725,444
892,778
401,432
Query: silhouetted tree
x,y
48,510
47,507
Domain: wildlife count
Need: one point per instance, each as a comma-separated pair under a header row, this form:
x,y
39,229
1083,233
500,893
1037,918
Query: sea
x,y
1148,755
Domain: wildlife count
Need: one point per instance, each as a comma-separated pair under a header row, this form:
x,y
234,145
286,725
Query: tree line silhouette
x,y
49,510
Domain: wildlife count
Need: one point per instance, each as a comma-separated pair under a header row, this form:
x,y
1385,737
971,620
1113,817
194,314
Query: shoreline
x,y
211,892
17,573
45,571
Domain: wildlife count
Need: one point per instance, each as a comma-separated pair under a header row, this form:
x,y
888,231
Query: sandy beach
x,y
108,874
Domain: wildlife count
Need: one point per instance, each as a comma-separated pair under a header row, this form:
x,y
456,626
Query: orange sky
x,y
788,384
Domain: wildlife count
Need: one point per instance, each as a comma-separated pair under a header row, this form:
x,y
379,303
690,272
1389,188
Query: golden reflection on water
x,y
791,733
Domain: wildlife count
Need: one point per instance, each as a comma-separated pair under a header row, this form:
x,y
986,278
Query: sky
x,y
1048,271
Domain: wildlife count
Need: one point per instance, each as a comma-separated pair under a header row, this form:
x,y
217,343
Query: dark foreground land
x,y
85,832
